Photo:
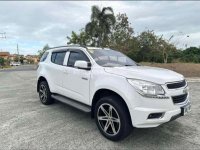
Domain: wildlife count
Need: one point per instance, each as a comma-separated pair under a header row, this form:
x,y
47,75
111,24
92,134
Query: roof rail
x,y
74,45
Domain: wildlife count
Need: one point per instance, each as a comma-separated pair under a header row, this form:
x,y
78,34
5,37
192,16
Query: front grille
x,y
179,98
176,85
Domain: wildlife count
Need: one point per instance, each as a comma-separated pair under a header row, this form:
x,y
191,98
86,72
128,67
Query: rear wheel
x,y
44,93
112,118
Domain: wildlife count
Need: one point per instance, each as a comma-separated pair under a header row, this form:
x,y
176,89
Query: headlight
x,y
146,88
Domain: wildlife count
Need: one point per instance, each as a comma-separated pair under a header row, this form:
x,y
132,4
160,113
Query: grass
x,y
186,69
3,67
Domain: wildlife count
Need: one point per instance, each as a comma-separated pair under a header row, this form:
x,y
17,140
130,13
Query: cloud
x,y
35,23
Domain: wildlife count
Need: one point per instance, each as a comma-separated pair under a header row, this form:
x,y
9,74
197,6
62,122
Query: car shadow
x,y
168,135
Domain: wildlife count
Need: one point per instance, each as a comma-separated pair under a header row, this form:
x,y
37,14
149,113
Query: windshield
x,y
110,58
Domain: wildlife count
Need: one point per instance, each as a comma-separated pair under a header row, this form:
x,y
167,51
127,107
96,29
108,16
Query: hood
x,y
151,74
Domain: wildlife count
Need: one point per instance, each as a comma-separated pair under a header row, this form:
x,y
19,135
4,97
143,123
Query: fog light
x,y
155,115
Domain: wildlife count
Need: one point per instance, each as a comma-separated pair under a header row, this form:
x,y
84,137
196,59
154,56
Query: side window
x,y
58,57
76,55
53,56
44,56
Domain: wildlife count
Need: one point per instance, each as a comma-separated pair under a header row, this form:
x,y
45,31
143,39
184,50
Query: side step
x,y
71,102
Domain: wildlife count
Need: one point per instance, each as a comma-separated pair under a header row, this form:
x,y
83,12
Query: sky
x,y
32,24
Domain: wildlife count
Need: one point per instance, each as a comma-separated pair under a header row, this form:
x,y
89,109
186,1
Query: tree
x,y
82,38
154,48
41,52
106,30
99,28
21,59
2,61
16,58
122,34
166,48
191,54
148,46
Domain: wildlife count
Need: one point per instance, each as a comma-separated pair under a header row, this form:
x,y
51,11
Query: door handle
x,y
84,78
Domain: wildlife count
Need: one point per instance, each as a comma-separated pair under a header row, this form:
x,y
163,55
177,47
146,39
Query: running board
x,y
71,102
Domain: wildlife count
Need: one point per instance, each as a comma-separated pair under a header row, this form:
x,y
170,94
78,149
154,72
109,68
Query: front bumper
x,y
144,122
140,115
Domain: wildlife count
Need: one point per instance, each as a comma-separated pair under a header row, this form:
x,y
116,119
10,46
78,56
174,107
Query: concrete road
x,y
27,124
19,68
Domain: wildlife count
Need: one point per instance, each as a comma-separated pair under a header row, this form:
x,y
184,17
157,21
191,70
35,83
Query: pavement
x,y
25,123
19,68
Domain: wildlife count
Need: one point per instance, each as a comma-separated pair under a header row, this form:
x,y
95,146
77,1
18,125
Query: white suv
x,y
119,93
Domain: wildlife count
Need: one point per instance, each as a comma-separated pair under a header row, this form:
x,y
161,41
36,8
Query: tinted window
x,y
74,56
53,56
44,56
58,57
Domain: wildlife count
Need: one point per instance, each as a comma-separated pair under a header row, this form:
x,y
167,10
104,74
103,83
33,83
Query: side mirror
x,y
81,64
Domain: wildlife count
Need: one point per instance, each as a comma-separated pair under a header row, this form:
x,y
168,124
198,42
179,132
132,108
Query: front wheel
x,y
112,118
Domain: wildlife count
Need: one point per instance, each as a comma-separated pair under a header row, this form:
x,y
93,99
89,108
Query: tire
x,y
45,94
116,127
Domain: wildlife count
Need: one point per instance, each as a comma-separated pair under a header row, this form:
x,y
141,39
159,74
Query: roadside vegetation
x,y
4,63
106,29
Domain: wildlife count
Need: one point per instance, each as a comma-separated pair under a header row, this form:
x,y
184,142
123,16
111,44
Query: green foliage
x,y
153,48
2,61
122,34
21,59
99,28
16,59
116,32
191,54
41,52
82,38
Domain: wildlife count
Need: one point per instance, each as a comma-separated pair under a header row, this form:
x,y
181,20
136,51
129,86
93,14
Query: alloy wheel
x,y
108,119
43,93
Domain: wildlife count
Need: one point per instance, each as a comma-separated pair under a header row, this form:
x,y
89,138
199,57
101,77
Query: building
x,y
5,55
13,57
32,59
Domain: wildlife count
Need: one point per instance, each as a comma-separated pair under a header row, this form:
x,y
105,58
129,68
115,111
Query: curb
x,y
195,79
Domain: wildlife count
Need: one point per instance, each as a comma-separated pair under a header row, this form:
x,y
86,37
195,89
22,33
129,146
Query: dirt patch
x,y
186,69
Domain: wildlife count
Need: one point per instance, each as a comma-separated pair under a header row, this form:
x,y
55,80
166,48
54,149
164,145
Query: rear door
x,y
55,70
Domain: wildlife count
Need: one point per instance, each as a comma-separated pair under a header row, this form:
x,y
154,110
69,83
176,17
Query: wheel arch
x,y
107,92
40,79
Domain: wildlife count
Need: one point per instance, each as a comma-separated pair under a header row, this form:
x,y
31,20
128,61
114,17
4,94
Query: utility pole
x,y
18,52
3,36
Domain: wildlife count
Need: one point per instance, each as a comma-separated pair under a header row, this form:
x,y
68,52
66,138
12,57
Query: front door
x,y
76,81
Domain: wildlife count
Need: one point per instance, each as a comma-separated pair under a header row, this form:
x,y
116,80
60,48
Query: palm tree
x,y
100,25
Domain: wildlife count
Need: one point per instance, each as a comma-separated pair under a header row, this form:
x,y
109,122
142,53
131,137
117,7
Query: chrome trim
x,y
176,88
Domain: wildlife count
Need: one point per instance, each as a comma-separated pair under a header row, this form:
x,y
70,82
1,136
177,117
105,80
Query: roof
x,y
77,45
106,48
4,54
66,46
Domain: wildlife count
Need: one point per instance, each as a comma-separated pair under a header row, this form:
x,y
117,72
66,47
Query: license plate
x,y
185,109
